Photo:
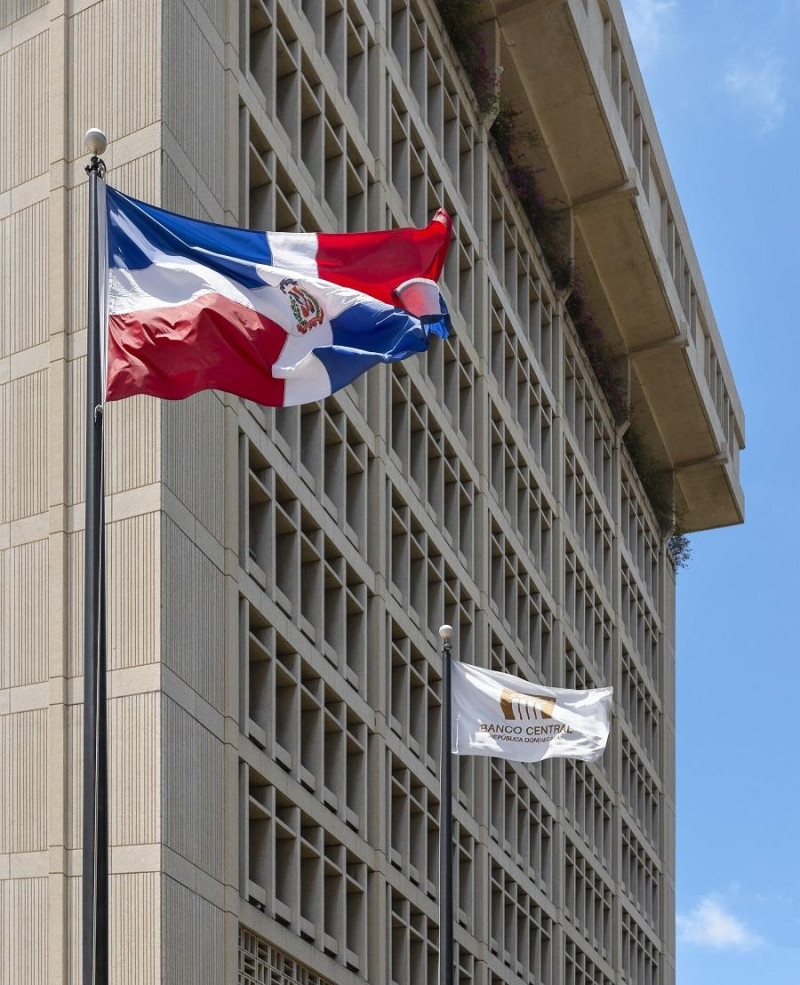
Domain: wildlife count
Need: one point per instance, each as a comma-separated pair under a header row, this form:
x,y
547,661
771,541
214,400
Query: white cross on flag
x,y
497,714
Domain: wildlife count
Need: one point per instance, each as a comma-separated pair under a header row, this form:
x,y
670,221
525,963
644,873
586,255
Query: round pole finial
x,y
95,141
446,633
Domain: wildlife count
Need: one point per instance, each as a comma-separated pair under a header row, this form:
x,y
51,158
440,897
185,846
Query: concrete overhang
x,y
554,73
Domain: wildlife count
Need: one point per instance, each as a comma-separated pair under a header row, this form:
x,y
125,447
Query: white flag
x,y
496,714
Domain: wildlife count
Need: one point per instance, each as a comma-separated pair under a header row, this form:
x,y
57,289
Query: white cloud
x,y
711,925
759,86
649,22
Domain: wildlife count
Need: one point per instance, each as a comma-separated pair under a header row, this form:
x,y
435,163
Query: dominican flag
x,y
278,318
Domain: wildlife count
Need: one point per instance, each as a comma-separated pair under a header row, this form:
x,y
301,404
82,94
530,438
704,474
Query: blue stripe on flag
x,y
370,333
225,249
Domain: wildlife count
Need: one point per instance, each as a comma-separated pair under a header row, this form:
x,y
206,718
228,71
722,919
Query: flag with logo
x,y
497,714
278,318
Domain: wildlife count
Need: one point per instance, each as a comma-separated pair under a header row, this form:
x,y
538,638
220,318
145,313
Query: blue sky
x,y
723,78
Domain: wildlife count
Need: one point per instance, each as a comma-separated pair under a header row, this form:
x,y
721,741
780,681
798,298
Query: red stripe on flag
x,y
209,343
376,263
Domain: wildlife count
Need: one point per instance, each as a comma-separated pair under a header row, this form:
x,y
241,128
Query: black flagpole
x,y
95,752
446,822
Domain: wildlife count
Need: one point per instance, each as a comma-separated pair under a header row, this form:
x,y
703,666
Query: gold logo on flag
x,y
305,308
516,705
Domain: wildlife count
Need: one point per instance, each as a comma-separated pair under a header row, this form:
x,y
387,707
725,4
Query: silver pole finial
x,y
95,141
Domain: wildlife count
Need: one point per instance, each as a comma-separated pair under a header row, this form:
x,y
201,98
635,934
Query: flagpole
x,y
446,821
95,752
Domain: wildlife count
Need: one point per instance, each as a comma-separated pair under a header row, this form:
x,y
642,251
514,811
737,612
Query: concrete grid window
x,y
295,872
520,930
639,952
588,801
640,705
521,823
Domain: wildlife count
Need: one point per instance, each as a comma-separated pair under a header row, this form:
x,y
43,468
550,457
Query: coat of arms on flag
x,y
305,307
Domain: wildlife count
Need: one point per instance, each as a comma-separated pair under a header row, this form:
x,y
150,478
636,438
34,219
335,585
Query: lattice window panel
x,y
285,551
342,34
589,806
411,428
640,706
408,159
453,376
519,822
270,196
576,674
642,792
299,874
464,883
423,580
414,944
588,418
305,449
464,961
520,932
514,255
580,969
587,613
458,276
301,722
450,493
590,522
450,118
444,104
320,590
414,173
640,953
640,534
587,899
413,820
414,697
257,485
518,377
336,461
640,875
409,558
624,96
465,782
516,600
304,100
514,485
641,623
261,963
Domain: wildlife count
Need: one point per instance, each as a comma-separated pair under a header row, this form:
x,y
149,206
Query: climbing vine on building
x,y
463,21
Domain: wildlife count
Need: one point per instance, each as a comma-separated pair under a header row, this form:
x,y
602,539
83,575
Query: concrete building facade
x,y
277,578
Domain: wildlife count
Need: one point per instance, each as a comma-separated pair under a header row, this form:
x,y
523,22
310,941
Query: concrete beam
x,y
628,189
721,458
680,341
